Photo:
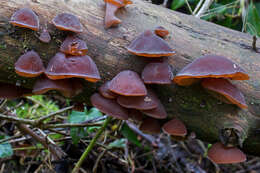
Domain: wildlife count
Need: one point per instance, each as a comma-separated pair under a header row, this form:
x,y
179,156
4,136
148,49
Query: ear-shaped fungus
x,y
128,83
72,45
225,88
44,85
210,66
150,45
29,65
105,92
150,101
161,31
9,91
45,36
25,18
109,107
157,73
150,125
67,22
175,127
61,67
220,154
158,113
111,7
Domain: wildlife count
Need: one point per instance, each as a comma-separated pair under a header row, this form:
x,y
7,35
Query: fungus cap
x,y
210,66
161,31
150,45
67,22
61,67
175,127
29,65
72,45
110,18
9,91
158,113
119,3
150,101
157,73
105,92
225,88
220,154
150,125
45,36
109,107
128,83
25,18
43,85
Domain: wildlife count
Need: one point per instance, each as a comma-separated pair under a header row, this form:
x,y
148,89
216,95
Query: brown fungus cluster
x,y
71,62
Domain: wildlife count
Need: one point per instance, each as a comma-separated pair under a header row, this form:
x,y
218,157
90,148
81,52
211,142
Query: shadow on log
x,y
189,36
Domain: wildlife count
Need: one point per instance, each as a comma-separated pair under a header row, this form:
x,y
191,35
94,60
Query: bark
x,y
191,37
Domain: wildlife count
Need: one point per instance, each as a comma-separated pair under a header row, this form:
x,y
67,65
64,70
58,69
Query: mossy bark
x,y
189,36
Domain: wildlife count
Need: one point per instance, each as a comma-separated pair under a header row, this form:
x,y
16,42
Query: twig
x,y
47,126
16,119
41,119
147,137
197,7
94,170
204,8
189,6
90,146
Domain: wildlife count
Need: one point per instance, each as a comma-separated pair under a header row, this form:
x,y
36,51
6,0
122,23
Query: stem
x,y
90,146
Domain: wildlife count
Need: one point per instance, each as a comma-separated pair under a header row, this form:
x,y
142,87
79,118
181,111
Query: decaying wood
x,y
191,37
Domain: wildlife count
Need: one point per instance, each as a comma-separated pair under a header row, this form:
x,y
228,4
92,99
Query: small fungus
x,y
67,22
161,31
25,18
210,66
150,125
109,107
111,7
135,114
72,45
150,101
43,85
220,154
61,67
128,83
175,127
29,65
158,113
225,88
45,36
105,92
157,73
150,45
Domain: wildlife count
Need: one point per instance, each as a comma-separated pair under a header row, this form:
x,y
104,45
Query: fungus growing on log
x,y
175,127
109,107
29,65
157,73
150,101
158,113
150,125
161,31
72,45
25,18
150,45
220,154
111,7
127,83
67,22
9,91
226,89
210,66
105,92
61,67
45,36
43,85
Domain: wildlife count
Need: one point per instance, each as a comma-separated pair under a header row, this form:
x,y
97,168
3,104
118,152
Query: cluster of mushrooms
x,y
70,62
126,95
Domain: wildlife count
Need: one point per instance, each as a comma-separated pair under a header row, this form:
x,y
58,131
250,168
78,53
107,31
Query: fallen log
x,y
189,36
